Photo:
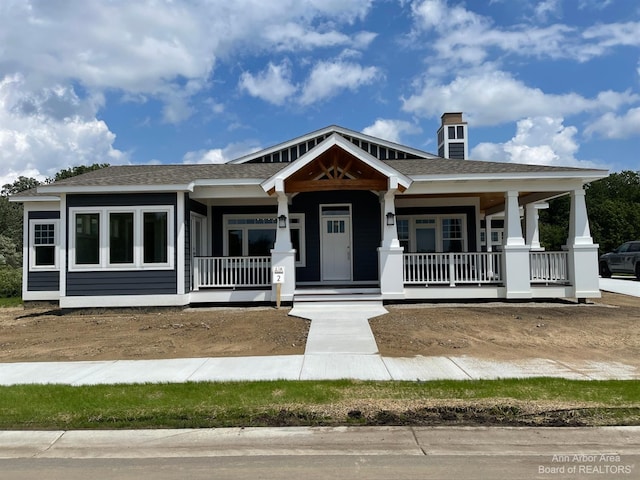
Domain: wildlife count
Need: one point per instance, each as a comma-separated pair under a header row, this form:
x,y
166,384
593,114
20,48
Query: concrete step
x,y
336,298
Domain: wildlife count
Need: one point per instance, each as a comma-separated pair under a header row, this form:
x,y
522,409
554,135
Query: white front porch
x,y
425,276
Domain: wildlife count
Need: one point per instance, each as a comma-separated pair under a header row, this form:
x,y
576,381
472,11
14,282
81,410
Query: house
x,y
336,211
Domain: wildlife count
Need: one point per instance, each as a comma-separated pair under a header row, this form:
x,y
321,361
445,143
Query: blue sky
x,y
553,82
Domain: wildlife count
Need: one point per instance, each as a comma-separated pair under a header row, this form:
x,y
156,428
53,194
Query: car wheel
x,y
605,272
637,271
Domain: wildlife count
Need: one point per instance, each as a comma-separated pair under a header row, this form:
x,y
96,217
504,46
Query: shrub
x,y
10,282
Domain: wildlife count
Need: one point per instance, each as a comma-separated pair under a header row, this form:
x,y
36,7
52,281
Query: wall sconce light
x,y
391,218
282,221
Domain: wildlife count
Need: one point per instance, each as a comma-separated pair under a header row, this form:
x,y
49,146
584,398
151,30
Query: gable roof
x,y
336,140
263,167
293,149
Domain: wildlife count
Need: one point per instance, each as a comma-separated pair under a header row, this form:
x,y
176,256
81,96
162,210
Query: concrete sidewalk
x,y
305,367
340,345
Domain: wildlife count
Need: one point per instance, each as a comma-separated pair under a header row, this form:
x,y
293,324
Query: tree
x,y
19,185
613,204
614,209
75,171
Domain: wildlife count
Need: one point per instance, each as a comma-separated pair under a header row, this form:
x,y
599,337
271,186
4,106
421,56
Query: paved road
x,y
314,453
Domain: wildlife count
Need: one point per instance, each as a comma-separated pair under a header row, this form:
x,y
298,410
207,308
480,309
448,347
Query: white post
x,y
283,253
583,253
515,252
487,234
533,224
390,252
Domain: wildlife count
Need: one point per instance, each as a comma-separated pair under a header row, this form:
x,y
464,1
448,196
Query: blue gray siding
x,y
126,282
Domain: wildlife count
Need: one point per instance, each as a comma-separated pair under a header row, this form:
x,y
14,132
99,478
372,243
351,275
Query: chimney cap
x,y
450,118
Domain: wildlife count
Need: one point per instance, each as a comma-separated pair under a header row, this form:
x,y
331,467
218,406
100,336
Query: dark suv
x,y
624,259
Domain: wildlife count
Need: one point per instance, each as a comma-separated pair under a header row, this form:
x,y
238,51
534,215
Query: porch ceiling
x,y
492,202
336,169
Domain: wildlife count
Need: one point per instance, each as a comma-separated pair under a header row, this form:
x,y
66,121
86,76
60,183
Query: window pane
x,y
87,238
121,237
44,234
460,132
234,241
45,255
261,242
425,240
452,133
155,242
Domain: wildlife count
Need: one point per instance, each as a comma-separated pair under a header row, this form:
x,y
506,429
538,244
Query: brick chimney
x,y
453,137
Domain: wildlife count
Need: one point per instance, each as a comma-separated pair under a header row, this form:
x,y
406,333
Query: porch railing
x,y
453,268
549,267
231,272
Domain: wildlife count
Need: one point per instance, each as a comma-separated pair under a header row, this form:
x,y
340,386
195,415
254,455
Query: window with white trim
x,y
432,233
121,238
255,235
44,245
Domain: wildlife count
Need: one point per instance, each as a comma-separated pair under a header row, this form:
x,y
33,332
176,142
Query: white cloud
x,y
328,79
43,133
538,140
272,84
221,155
494,97
295,37
391,130
463,37
613,126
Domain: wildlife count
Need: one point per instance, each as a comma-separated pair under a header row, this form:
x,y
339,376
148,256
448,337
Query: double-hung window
x,y
44,245
121,238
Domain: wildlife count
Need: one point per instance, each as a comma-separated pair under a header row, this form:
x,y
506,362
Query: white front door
x,y
336,242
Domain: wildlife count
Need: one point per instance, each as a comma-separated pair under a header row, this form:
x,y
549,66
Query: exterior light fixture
x,y
282,221
391,218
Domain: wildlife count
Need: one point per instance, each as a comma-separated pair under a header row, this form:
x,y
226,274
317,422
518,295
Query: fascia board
x,y
115,188
335,140
373,162
224,182
34,198
300,163
584,176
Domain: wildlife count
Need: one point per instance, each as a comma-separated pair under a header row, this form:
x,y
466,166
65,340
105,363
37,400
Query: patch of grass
x,y
541,401
10,302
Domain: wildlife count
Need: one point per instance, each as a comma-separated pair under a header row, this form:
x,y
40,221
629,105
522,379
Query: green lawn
x,y
10,302
540,401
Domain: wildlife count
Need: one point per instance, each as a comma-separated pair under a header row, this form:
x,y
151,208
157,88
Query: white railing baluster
x,y
548,267
452,268
232,272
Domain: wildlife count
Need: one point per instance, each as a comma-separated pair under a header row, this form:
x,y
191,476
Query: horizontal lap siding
x,y
126,282
43,282
135,282
48,281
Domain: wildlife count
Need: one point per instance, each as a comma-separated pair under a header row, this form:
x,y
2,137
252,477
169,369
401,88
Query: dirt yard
x,y
606,329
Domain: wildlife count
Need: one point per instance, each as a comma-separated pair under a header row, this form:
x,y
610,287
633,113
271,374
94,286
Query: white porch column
x,y
390,252
533,224
283,253
487,235
583,253
515,256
